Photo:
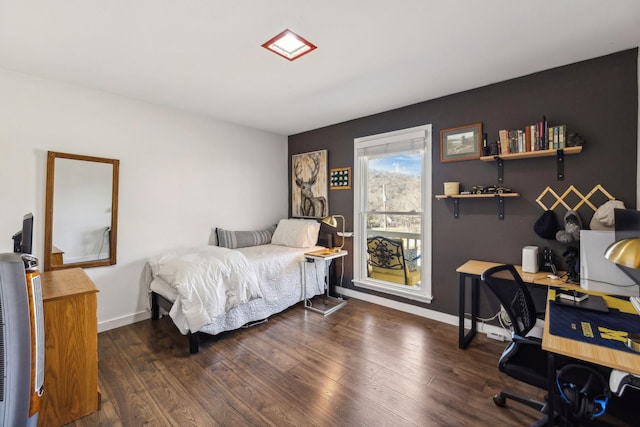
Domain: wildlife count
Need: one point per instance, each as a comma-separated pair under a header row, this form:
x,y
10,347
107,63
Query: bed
x,y
240,279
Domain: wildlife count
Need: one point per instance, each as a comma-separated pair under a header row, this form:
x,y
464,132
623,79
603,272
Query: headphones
x,y
588,400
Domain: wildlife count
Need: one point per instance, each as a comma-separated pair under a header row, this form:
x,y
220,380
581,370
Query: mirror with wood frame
x,y
81,211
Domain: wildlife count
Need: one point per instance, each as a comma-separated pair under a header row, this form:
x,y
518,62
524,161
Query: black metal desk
x,y
471,271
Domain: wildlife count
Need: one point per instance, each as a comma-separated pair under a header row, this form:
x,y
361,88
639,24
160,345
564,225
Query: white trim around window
x,y
416,139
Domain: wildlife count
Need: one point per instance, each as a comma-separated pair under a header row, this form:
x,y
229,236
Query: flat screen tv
x,y
23,239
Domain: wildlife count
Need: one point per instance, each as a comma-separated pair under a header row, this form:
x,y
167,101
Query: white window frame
x,y
419,135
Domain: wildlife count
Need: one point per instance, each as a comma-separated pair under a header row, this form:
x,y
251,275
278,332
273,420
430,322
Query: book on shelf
x,y
573,296
545,133
513,141
503,136
535,137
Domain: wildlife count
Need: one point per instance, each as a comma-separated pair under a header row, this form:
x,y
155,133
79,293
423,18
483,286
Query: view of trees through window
x,y
394,193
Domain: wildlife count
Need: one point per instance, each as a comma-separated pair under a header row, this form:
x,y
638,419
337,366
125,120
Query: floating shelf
x,y
456,200
531,154
476,196
559,153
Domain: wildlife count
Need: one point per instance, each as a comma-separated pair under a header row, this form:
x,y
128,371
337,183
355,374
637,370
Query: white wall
x,y
180,174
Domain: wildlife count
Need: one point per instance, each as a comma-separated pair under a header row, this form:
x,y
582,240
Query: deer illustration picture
x,y
310,205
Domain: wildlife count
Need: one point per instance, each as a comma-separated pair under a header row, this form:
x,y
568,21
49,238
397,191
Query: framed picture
x,y
461,143
340,179
309,187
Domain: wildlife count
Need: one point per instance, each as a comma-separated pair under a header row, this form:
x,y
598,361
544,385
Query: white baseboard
x,y
123,321
423,312
397,305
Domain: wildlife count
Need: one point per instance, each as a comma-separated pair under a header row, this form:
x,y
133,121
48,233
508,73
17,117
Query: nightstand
x,y
326,304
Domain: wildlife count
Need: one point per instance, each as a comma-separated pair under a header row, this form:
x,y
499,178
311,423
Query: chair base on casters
x,y
500,399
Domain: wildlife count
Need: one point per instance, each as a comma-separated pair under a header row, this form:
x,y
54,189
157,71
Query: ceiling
x,y
204,56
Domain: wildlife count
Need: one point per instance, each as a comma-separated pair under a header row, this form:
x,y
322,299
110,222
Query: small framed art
x,y
461,143
340,179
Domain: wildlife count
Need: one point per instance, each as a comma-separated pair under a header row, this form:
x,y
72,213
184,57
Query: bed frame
x,y
158,301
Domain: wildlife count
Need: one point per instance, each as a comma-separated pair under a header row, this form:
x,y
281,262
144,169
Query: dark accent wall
x,y
597,98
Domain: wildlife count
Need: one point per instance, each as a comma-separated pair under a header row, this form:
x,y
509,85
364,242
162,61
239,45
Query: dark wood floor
x,y
364,365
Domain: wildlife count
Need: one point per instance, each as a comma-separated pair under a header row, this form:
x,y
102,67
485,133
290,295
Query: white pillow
x,y
296,233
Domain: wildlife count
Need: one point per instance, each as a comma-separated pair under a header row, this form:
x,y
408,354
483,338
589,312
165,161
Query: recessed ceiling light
x,y
289,45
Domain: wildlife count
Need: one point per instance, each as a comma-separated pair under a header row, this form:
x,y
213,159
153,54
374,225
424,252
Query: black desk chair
x,y
526,361
523,359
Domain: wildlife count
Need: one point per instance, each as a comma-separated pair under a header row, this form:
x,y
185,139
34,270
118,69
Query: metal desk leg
x,y
330,303
464,340
551,388
304,282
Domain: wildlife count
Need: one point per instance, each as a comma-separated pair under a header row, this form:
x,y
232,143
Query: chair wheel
x,y
499,400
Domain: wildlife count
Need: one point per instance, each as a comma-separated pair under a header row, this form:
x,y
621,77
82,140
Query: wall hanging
x,y
309,185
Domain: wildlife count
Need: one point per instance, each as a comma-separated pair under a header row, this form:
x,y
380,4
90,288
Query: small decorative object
x,y
461,143
493,149
574,140
309,185
572,227
486,149
451,188
492,189
340,179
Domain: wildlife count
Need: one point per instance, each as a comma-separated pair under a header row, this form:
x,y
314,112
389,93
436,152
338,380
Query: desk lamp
x,y
625,252
332,221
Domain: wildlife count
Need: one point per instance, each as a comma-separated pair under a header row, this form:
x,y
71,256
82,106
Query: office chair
x,y
388,261
523,359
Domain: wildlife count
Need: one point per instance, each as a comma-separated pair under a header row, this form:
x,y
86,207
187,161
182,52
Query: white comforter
x,y
208,282
279,273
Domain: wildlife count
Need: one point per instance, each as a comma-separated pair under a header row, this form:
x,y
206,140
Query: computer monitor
x,y
627,225
23,239
598,273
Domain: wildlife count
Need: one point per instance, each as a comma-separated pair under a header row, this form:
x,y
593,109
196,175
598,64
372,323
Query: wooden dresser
x,y
71,347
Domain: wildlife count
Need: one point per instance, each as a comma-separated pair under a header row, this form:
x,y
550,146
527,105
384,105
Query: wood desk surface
x,y
476,267
622,360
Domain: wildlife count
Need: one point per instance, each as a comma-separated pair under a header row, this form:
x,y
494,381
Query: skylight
x,y
289,45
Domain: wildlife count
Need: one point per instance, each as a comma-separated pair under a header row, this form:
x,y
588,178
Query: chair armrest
x,y
527,340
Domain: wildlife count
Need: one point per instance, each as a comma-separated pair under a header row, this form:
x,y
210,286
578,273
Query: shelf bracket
x,y
560,162
500,162
501,207
456,208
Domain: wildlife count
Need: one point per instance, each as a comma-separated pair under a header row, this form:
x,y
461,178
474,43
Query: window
x,y
392,203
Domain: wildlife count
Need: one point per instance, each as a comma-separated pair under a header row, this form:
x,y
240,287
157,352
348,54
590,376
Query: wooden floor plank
x,y
362,365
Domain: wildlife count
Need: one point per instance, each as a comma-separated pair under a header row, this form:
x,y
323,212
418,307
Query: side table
x,y
328,304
